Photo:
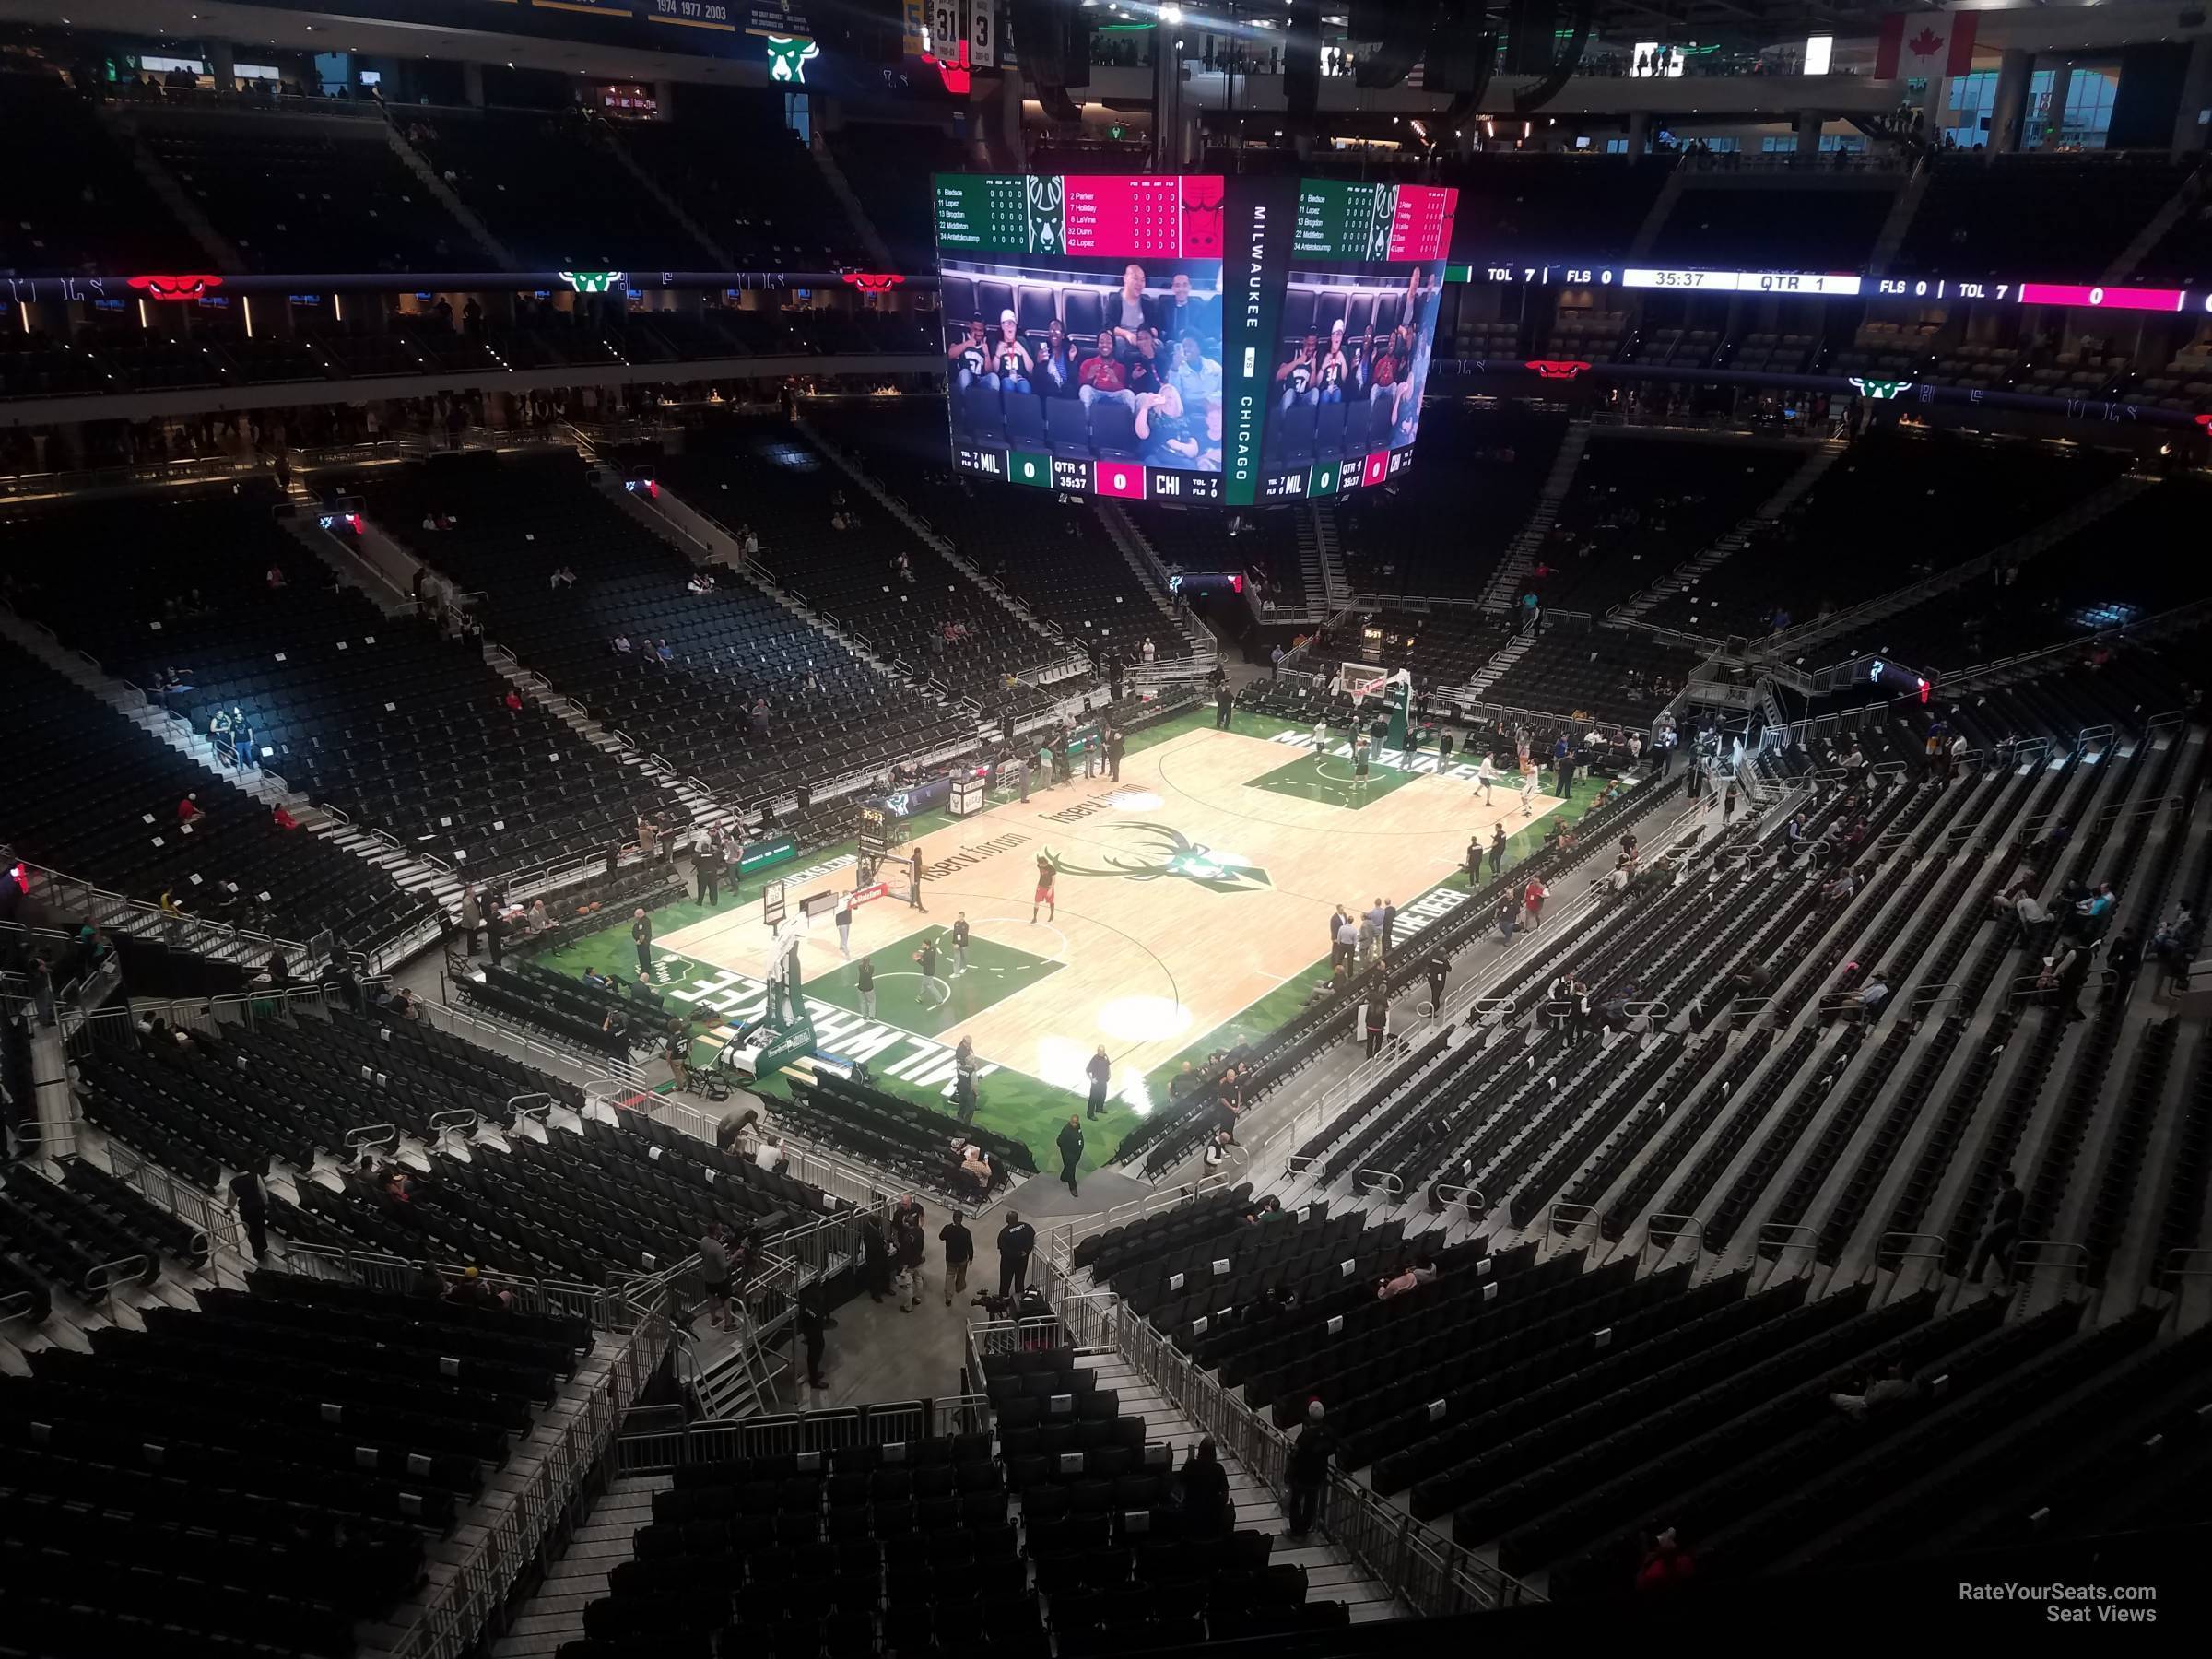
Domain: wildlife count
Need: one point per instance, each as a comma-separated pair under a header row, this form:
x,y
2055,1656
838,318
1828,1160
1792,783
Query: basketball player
x,y
1486,774
1530,780
1046,872
917,879
1321,738
927,959
1359,760
844,925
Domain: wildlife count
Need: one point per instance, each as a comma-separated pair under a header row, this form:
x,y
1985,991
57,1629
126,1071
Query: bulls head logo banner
x,y
193,287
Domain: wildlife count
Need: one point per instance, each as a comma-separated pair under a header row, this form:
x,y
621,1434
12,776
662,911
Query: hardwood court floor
x,y
1184,895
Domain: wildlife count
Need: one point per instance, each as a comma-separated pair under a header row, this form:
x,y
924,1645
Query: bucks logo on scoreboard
x,y
1386,214
1046,199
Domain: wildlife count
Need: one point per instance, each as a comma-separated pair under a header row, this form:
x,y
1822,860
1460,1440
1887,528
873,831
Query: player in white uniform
x,y
1321,738
1530,780
1486,774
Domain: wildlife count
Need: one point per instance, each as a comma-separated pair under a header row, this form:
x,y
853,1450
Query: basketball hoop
x,y
1359,682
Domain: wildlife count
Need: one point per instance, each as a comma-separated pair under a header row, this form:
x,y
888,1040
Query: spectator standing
x,y
811,1322
1071,1151
1205,1483
495,925
2004,1232
706,865
863,980
844,928
1100,1072
959,1250
714,1270
1310,1455
908,1246
250,1203
1017,1239
876,1258
640,935
472,920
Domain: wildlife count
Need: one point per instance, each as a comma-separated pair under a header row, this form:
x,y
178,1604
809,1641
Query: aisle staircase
x,y
1152,572
1511,578
1822,457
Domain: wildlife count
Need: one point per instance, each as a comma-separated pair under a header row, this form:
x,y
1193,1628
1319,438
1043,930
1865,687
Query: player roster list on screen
x,y
1083,331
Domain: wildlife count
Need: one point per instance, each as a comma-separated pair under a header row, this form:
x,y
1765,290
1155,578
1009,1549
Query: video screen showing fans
x,y
1083,328
1353,336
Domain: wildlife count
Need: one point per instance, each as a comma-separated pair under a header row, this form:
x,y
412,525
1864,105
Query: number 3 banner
x,y
983,34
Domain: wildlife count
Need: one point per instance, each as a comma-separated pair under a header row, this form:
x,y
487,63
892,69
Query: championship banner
x,y
983,33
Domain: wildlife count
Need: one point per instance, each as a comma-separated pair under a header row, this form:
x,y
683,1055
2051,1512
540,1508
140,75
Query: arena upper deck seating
x,y
893,1544
1638,506
2076,588
1057,558
1568,667
892,163
152,1501
376,715
97,799
1552,206
96,214
775,212
332,196
766,475
1986,215
1830,229
518,521
1499,457
584,1206
1964,499
553,192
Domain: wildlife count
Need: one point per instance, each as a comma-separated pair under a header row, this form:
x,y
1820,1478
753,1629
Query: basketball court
x,y
1203,881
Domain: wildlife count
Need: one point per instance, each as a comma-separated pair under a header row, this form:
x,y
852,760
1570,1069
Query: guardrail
x,y
1428,1571
605,1309
453,1620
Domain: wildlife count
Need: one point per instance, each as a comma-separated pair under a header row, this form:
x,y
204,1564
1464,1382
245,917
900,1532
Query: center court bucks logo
x,y
1044,204
1159,852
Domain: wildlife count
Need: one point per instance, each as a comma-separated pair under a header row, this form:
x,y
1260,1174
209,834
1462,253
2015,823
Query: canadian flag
x,y
1918,46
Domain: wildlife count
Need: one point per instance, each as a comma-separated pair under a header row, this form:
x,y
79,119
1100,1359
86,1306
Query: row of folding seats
x,y
1130,1243
1057,558
133,1213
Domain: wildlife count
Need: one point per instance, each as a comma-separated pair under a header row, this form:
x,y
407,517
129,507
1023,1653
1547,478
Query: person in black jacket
x,y
1205,1505
1071,1150
250,1198
640,934
1101,1071
959,1250
1310,1455
2004,1232
876,1258
706,864
1017,1239
811,1322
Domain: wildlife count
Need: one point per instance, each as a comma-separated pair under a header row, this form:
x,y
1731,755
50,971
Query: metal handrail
x,y
1783,1237
1692,1230
1898,1275
1469,1198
